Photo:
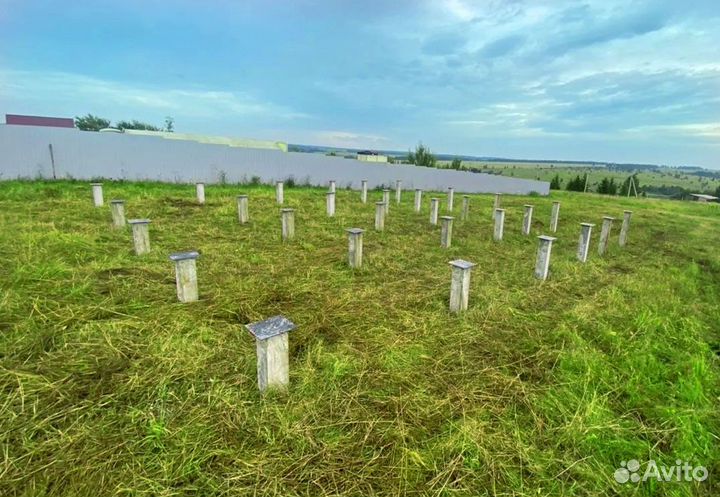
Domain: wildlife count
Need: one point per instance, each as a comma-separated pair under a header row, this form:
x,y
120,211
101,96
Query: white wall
x,y
24,153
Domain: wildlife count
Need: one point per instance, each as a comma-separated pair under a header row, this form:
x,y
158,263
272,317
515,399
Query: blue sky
x,y
611,80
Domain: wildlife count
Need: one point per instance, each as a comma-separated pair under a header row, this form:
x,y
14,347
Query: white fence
x,y
25,152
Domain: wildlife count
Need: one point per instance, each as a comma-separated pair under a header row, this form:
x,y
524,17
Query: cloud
x,y
442,44
709,130
583,27
606,79
75,90
459,9
615,101
501,46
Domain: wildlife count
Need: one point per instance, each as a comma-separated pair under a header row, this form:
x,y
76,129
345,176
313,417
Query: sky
x,y
605,80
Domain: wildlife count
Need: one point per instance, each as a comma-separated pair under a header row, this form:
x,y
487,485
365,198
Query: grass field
x,y
112,387
545,172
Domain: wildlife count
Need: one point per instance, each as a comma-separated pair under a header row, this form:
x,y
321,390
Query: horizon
x,y
399,153
596,82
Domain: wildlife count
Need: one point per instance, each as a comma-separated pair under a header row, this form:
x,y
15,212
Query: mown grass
x,y
112,387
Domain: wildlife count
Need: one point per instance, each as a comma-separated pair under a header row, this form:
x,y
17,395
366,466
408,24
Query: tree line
x,y
91,122
423,156
607,186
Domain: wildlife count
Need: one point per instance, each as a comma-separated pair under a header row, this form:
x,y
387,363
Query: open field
x,y
112,387
691,180
546,172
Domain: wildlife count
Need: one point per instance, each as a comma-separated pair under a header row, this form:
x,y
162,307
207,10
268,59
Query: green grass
x,y
112,387
545,172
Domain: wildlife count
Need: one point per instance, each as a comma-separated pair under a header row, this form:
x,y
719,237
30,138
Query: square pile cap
x,y
274,326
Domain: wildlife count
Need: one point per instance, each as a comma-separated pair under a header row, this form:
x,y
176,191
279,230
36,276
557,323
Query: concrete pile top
x,y
181,256
274,326
459,263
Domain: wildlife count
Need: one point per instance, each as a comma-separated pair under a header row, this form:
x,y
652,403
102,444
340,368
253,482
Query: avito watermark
x,y
682,471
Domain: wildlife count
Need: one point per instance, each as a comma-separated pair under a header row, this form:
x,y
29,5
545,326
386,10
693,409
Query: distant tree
x,y
577,184
135,124
391,159
570,185
717,191
90,122
456,164
169,124
607,186
603,186
555,183
612,187
422,156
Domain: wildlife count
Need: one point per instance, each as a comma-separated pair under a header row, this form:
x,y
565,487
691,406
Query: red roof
x,y
54,122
